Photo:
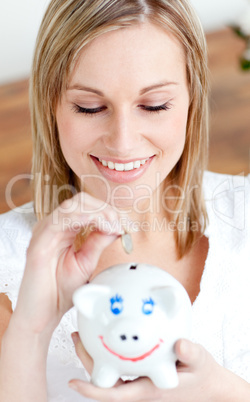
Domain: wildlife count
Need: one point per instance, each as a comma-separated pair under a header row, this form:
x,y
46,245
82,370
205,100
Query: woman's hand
x,y
54,269
201,379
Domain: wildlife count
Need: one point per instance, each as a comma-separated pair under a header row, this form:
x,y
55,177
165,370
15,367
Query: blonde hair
x,y
66,28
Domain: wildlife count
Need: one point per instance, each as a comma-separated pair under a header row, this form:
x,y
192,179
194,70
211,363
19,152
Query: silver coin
x,y
127,243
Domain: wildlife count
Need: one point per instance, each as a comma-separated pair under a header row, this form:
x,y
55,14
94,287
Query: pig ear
x,y
169,298
87,297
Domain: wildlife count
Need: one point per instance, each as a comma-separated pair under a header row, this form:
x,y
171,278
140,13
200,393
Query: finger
x,y
81,352
78,267
190,354
100,394
70,217
134,391
92,210
88,255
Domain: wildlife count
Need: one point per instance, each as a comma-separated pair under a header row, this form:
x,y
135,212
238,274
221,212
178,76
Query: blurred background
x,y
229,98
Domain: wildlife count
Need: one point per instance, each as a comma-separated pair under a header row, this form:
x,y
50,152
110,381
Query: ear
x,y
86,298
169,297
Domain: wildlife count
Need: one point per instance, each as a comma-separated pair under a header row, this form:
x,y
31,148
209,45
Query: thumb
x,y
189,353
89,253
82,353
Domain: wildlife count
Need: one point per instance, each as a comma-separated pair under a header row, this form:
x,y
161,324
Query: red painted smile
x,y
132,359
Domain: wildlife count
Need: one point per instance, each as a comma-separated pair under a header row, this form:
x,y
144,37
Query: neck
x,y
146,215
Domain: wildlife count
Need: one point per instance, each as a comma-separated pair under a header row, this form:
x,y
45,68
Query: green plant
x,y
245,57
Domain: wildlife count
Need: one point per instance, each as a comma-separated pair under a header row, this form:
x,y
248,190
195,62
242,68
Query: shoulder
x,y
16,229
20,216
15,234
218,185
227,200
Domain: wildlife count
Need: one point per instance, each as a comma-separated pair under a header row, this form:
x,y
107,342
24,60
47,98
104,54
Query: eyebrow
x,y
83,88
142,91
156,86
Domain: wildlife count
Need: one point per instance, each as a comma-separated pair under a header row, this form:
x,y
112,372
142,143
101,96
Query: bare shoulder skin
x,y
5,313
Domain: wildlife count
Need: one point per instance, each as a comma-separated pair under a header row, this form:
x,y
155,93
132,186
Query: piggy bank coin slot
x,y
133,266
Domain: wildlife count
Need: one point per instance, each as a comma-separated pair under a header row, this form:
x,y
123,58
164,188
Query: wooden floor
x,y
230,121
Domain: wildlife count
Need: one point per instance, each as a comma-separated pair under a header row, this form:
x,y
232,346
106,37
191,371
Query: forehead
x,y
142,50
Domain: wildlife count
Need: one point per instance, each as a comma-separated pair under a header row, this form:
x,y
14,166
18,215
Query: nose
x,y
122,137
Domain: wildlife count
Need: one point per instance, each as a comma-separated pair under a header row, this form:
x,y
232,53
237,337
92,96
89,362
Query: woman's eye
x,y
165,106
93,111
88,111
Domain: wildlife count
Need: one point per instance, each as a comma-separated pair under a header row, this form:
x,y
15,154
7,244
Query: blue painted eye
x,y
116,304
148,306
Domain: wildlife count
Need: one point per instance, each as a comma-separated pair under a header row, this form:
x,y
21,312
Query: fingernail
x,y
120,228
73,386
114,228
121,232
185,348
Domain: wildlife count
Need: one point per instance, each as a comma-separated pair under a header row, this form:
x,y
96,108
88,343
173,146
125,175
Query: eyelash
x,y
150,109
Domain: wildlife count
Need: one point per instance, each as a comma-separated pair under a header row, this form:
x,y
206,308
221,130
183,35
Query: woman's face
x,y
122,120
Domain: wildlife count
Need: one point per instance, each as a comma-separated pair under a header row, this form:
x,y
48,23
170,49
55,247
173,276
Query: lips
x,y
119,171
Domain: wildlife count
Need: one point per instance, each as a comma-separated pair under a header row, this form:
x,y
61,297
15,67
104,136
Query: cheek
x,y
173,134
74,136
69,133
178,135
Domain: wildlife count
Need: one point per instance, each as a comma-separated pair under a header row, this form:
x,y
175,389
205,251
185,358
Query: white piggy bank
x,y
129,318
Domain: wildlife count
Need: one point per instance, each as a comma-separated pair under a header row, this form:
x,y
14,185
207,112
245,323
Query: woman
x,y
119,117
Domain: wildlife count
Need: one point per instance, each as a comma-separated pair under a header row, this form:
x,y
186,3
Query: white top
x,y
221,311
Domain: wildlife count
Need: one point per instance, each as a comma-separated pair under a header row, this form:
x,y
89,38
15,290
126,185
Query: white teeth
x,y
120,167
111,165
137,164
129,166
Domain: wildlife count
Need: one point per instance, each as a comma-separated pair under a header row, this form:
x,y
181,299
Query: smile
x,y
132,359
120,167
119,171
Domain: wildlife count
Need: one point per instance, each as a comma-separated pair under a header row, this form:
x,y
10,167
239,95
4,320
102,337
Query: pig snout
x,y
130,337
